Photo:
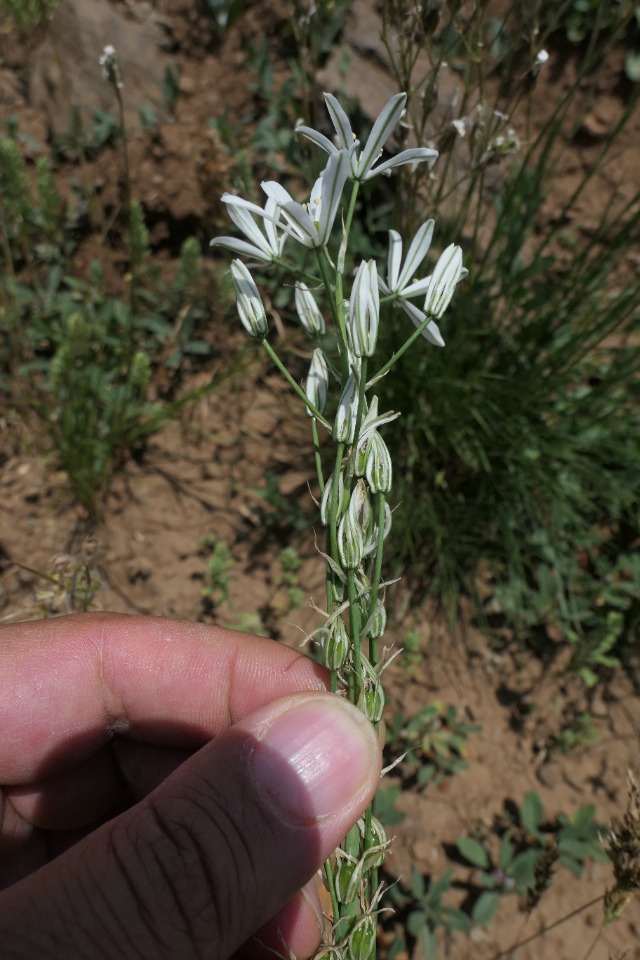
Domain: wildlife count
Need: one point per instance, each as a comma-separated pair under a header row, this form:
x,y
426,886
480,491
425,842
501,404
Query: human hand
x,y
168,790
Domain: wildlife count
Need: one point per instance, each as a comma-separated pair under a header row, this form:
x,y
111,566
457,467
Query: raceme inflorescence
x,y
339,305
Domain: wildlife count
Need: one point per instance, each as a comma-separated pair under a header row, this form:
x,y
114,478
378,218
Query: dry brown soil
x,y
203,473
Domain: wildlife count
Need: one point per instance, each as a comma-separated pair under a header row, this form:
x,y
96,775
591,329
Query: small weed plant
x,y
100,370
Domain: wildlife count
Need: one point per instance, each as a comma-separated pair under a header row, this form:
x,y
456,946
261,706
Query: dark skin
x,y
168,789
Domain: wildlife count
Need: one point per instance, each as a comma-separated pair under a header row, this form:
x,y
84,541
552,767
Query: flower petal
x,y
318,138
333,181
431,331
416,254
414,155
340,121
242,247
394,259
380,132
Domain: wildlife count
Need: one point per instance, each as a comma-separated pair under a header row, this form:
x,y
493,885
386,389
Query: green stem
x,y
316,454
294,386
355,637
377,572
403,349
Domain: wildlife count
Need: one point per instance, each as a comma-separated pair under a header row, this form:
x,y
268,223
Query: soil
x,y
233,467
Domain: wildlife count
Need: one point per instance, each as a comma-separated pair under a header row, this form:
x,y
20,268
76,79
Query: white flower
x,y
266,246
363,164
311,224
317,381
442,282
400,280
110,64
248,301
400,277
364,310
308,311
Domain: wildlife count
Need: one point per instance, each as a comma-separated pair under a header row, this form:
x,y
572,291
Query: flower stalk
x,y
351,459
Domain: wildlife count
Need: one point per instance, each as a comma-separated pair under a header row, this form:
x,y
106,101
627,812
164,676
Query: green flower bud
x,y
336,645
347,881
364,310
377,623
442,283
345,423
317,381
378,469
372,701
308,311
362,939
248,301
350,542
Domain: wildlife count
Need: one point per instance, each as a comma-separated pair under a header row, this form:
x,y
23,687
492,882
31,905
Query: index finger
x,y
71,684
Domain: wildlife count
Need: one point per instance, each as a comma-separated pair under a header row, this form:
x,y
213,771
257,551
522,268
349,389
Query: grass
x,y
519,472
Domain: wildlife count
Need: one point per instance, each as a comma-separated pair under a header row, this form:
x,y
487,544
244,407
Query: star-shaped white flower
x,y
401,277
266,247
401,282
364,164
311,223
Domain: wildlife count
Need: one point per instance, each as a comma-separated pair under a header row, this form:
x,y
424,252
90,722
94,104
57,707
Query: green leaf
x,y
485,907
474,852
417,883
416,921
532,812
522,869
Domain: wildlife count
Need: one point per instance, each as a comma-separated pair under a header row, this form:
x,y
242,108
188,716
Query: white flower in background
x,y
265,247
541,58
311,223
248,301
308,310
363,164
110,64
317,381
364,310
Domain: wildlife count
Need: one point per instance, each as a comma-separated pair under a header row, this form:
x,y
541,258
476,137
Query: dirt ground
x,y
207,473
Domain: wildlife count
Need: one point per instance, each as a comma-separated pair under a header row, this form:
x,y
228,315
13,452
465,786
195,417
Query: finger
x,y
71,684
219,848
298,924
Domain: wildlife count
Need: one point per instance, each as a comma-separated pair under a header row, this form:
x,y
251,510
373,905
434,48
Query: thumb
x,y
214,852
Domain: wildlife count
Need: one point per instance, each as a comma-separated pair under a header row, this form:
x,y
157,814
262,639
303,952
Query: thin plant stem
x,y
292,383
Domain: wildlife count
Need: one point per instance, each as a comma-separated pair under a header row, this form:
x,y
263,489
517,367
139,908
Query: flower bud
x,y
248,301
308,311
362,939
364,310
377,622
347,881
378,469
373,701
325,503
336,645
317,381
345,423
443,280
350,542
